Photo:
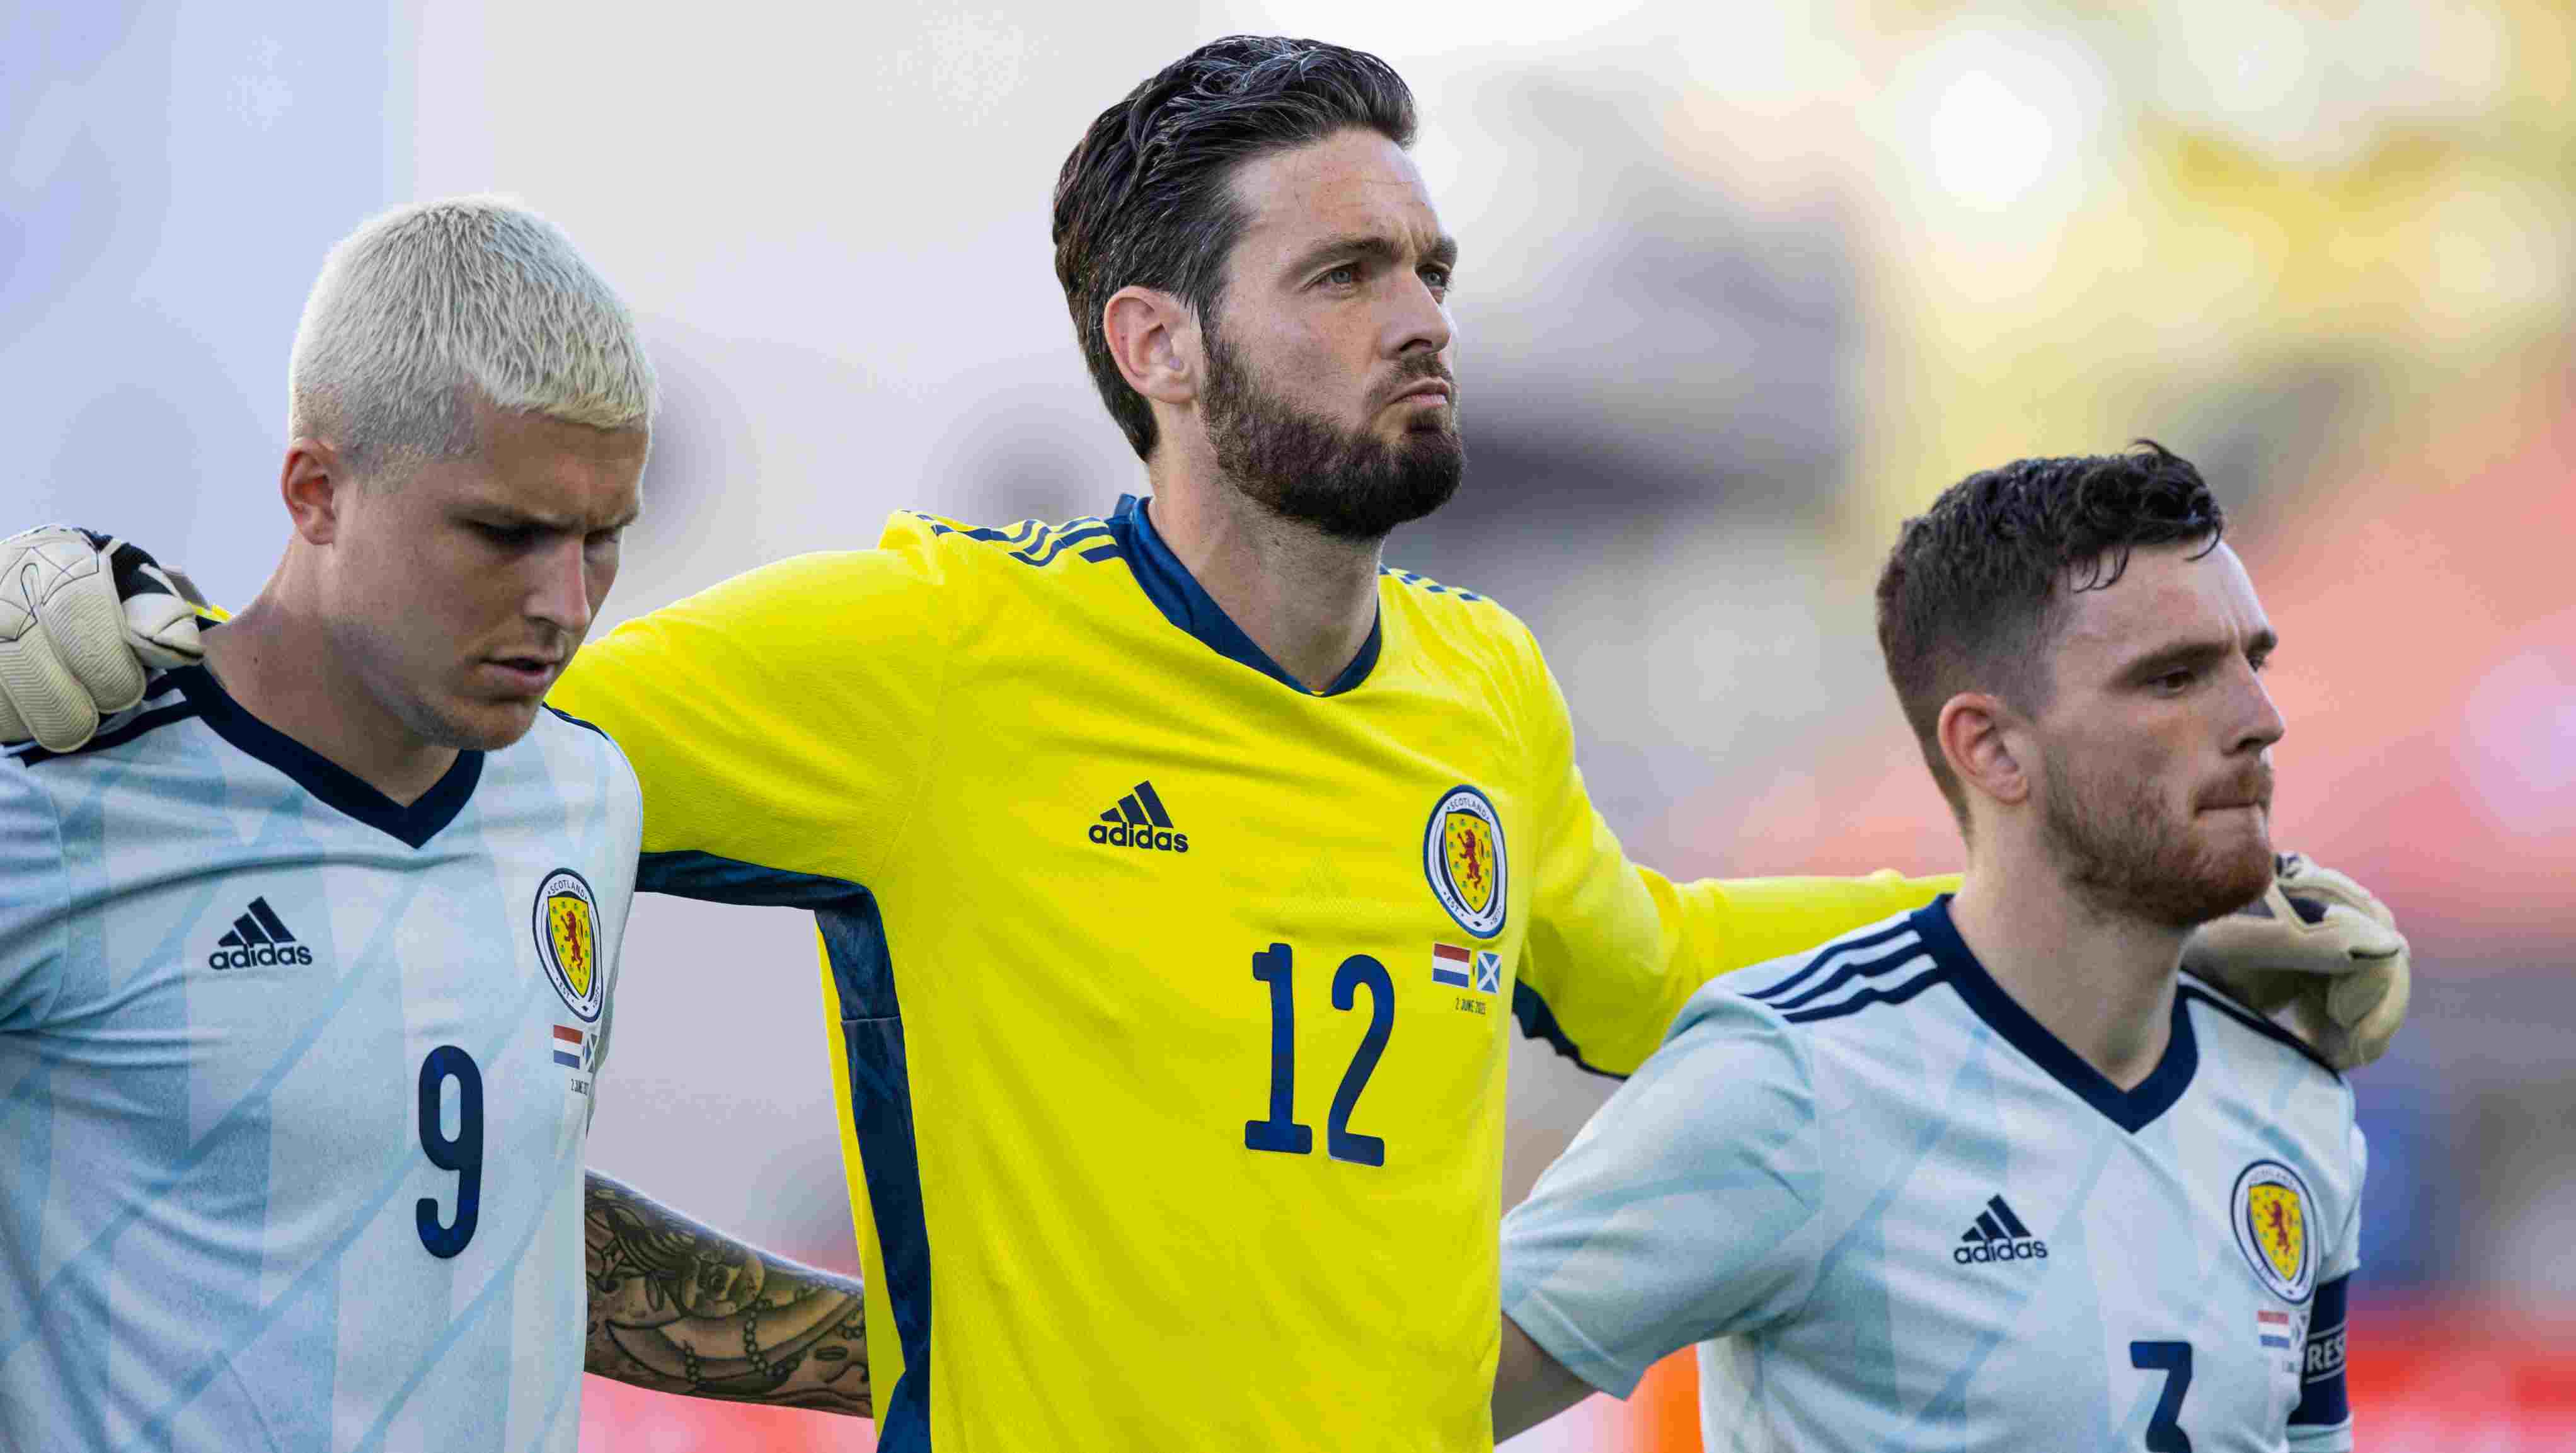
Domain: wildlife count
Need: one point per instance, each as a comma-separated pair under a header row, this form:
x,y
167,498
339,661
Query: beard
x,y
2124,852
1300,466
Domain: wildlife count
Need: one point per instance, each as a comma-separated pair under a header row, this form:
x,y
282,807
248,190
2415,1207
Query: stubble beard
x,y
2124,854
1348,484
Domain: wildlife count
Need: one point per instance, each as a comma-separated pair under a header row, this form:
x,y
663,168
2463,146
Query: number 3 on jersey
x,y
1281,1133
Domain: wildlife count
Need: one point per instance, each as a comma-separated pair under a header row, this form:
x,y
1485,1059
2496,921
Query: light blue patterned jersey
x,y
1912,1219
294,1084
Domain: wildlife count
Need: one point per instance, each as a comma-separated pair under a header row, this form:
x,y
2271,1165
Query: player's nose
x,y
2260,723
560,593
1420,319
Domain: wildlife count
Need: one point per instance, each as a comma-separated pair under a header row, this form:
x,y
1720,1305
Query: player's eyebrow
x,y
1370,247
2193,654
509,516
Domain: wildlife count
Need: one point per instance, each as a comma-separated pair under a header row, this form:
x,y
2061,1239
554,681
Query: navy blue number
x,y
462,1154
1339,1142
1280,1132
2173,1359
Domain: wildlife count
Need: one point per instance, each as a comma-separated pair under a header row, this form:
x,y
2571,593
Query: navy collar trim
x,y
1178,595
336,786
2132,1110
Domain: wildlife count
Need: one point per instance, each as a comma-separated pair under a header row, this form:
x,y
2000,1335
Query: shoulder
x,y
1455,617
1865,977
2230,1029
945,546
563,734
164,704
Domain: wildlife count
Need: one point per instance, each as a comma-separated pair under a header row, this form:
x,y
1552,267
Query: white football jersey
x,y
1913,1219
294,1085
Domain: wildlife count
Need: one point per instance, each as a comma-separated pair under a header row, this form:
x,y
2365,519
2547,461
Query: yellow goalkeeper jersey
x,y
1173,999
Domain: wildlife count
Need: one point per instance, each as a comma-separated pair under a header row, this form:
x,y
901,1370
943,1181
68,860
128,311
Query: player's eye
x,y
2174,682
1437,278
1345,276
508,537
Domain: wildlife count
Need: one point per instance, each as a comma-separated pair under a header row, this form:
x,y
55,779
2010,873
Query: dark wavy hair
x,y
1145,199
1970,599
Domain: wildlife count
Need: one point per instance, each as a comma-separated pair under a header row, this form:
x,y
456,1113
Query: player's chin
x,y
485,724
2236,868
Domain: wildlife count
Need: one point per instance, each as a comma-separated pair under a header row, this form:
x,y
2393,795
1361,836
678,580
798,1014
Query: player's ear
x,y
310,482
1154,337
1977,740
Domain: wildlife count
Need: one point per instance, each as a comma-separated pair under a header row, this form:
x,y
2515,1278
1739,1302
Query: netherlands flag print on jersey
x,y
1449,965
568,1046
2273,1327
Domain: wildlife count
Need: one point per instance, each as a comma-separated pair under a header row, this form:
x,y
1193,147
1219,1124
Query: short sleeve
x,y
783,719
2322,1421
1683,1211
33,927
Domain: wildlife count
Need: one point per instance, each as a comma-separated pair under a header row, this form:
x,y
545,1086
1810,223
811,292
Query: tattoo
x,y
679,1308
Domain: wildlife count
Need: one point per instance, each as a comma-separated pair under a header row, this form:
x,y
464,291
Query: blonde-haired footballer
x,y
308,955
1181,872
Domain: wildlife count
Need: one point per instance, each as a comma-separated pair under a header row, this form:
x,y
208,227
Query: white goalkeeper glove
x,y
83,618
2319,946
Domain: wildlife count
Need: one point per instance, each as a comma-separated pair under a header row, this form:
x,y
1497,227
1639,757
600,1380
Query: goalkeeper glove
x,y
2319,946
82,617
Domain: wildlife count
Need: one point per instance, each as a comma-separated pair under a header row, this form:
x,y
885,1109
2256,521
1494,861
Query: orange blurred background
x,y
1741,288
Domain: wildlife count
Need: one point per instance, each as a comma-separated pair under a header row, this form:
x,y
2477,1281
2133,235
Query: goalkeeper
x,y
1128,838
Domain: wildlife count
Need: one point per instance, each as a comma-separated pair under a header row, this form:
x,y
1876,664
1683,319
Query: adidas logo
x,y
1998,1235
1139,821
258,939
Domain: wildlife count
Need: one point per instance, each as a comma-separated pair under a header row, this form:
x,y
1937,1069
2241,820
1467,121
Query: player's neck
x,y
278,661
1306,599
2102,983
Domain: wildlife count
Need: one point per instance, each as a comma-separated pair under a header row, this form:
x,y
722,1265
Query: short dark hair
x,y
1968,600
1145,199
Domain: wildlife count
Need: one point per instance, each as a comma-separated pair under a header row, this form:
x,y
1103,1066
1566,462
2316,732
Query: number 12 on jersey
x,y
1280,1133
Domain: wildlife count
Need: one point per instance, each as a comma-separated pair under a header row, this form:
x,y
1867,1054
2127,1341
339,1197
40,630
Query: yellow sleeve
x,y
1614,950
783,719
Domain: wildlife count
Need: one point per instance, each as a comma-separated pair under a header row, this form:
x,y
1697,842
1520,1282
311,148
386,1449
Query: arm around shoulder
x,y
785,717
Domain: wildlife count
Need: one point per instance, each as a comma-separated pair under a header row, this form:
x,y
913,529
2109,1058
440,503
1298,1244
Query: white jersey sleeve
x,y
31,899
1684,1210
2322,1421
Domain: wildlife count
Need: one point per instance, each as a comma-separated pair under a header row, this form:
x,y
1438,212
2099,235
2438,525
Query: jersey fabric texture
x,y
294,1083
1915,1220
1170,998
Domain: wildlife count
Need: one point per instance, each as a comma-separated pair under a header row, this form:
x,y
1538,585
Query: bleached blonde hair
x,y
428,307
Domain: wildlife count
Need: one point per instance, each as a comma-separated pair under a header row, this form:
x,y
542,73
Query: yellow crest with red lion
x,y
2270,1212
568,941
1463,855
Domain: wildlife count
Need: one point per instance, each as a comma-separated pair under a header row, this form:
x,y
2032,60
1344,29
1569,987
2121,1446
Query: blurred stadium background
x,y
1743,286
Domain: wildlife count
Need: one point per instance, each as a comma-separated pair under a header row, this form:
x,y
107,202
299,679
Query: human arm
x,y
780,720
677,1307
1530,1386
1690,1207
1614,949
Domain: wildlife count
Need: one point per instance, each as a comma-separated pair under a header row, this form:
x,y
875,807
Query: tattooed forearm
x,y
679,1308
